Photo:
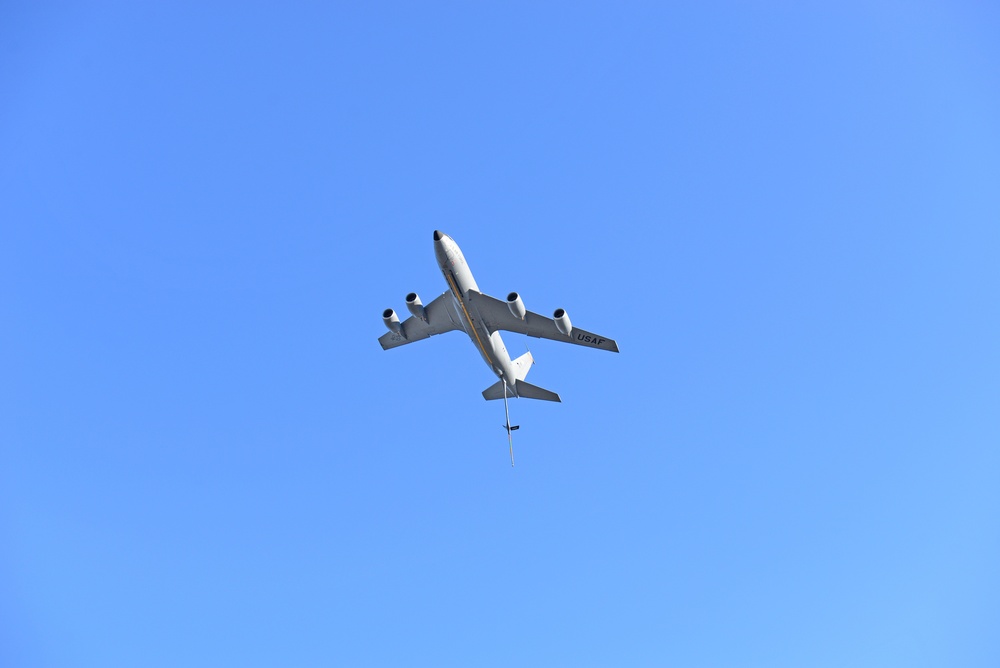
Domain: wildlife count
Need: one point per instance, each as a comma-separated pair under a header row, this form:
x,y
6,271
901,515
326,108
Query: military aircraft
x,y
464,308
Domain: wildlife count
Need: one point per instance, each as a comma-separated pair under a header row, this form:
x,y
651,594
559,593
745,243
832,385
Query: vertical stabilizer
x,y
522,365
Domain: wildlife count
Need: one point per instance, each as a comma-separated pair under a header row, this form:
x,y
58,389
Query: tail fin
x,y
529,391
522,365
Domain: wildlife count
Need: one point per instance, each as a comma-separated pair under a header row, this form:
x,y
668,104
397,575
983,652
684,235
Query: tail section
x,y
524,390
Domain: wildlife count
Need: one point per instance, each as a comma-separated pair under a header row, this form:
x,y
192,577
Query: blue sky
x,y
788,217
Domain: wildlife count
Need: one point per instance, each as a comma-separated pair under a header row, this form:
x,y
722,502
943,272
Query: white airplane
x,y
463,307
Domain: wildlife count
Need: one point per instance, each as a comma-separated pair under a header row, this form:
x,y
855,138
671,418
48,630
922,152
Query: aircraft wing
x,y
441,318
496,315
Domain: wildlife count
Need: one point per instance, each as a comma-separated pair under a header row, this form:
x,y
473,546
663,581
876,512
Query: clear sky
x,y
787,214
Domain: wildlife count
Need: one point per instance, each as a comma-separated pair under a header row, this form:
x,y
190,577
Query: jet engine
x,y
391,321
415,306
515,305
562,321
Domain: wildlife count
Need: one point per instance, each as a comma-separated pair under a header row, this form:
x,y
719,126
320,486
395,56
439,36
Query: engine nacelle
x,y
562,321
415,306
391,321
515,305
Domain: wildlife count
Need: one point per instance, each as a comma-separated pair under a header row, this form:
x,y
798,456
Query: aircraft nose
x,y
438,235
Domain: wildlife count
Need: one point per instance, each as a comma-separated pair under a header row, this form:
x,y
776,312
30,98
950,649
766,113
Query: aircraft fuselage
x,y
460,280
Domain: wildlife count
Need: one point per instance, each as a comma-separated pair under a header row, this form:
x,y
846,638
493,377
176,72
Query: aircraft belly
x,y
472,326
501,359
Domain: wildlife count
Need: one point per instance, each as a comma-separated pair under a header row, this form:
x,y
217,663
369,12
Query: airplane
x,y
464,308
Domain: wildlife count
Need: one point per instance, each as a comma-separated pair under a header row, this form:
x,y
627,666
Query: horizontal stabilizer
x,y
524,391
529,391
494,391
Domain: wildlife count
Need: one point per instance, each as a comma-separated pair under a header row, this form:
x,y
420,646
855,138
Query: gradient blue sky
x,y
787,215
